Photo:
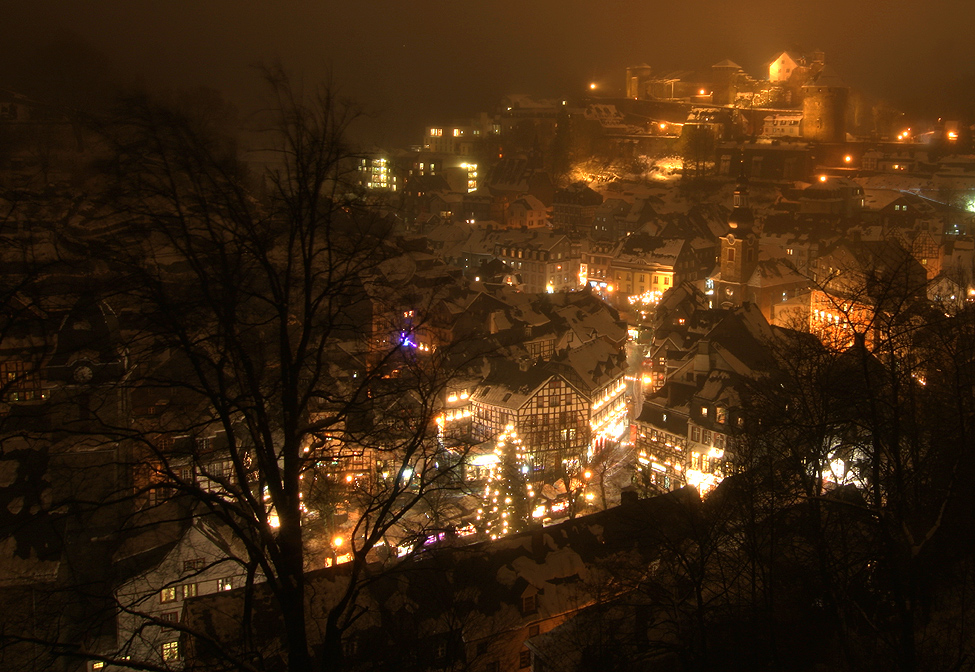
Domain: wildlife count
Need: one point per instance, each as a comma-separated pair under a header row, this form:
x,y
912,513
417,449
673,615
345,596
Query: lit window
x,y
189,590
170,651
167,594
225,584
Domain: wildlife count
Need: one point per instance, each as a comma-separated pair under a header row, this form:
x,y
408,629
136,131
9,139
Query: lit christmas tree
x,y
506,497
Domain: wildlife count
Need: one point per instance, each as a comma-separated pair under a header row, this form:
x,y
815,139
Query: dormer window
x,y
529,604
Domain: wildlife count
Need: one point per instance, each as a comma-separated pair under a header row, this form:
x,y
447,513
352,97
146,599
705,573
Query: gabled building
x,y
526,212
574,209
858,284
204,560
545,262
685,433
561,409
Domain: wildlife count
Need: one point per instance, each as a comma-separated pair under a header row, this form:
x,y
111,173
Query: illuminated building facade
x,y
545,262
783,126
685,433
563,409
377,174
858,283
550,415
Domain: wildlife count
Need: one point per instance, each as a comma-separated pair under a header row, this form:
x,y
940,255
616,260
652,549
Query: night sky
x,y
427,61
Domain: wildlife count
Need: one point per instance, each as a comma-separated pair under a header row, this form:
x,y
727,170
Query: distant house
x,y
858,284
783,126
527,212
832,196
546,262
558,408
686,431
783,65
574,208
204,560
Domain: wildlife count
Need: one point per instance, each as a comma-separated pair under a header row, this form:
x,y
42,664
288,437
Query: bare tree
x,y
273,332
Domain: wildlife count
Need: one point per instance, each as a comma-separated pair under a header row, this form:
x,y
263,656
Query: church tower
x,y
739,250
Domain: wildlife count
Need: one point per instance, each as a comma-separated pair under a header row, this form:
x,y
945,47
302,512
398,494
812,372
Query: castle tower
x,y
824,102
637,79
739,250
724,74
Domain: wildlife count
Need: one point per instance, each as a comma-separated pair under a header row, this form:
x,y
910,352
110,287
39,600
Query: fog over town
x,y
549,336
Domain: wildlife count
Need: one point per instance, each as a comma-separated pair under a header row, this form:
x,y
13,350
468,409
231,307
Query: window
x,y
225,584
170,651
525,659
167,594
97,665
666,281
731,254
193,565
696,434
189,590
169,617
529,605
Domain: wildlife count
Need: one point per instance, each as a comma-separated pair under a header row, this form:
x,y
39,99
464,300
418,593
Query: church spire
x,y
741,220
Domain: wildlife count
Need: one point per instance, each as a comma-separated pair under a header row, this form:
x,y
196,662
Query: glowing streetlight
x,y
822,178
337,541
847,158
592,86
